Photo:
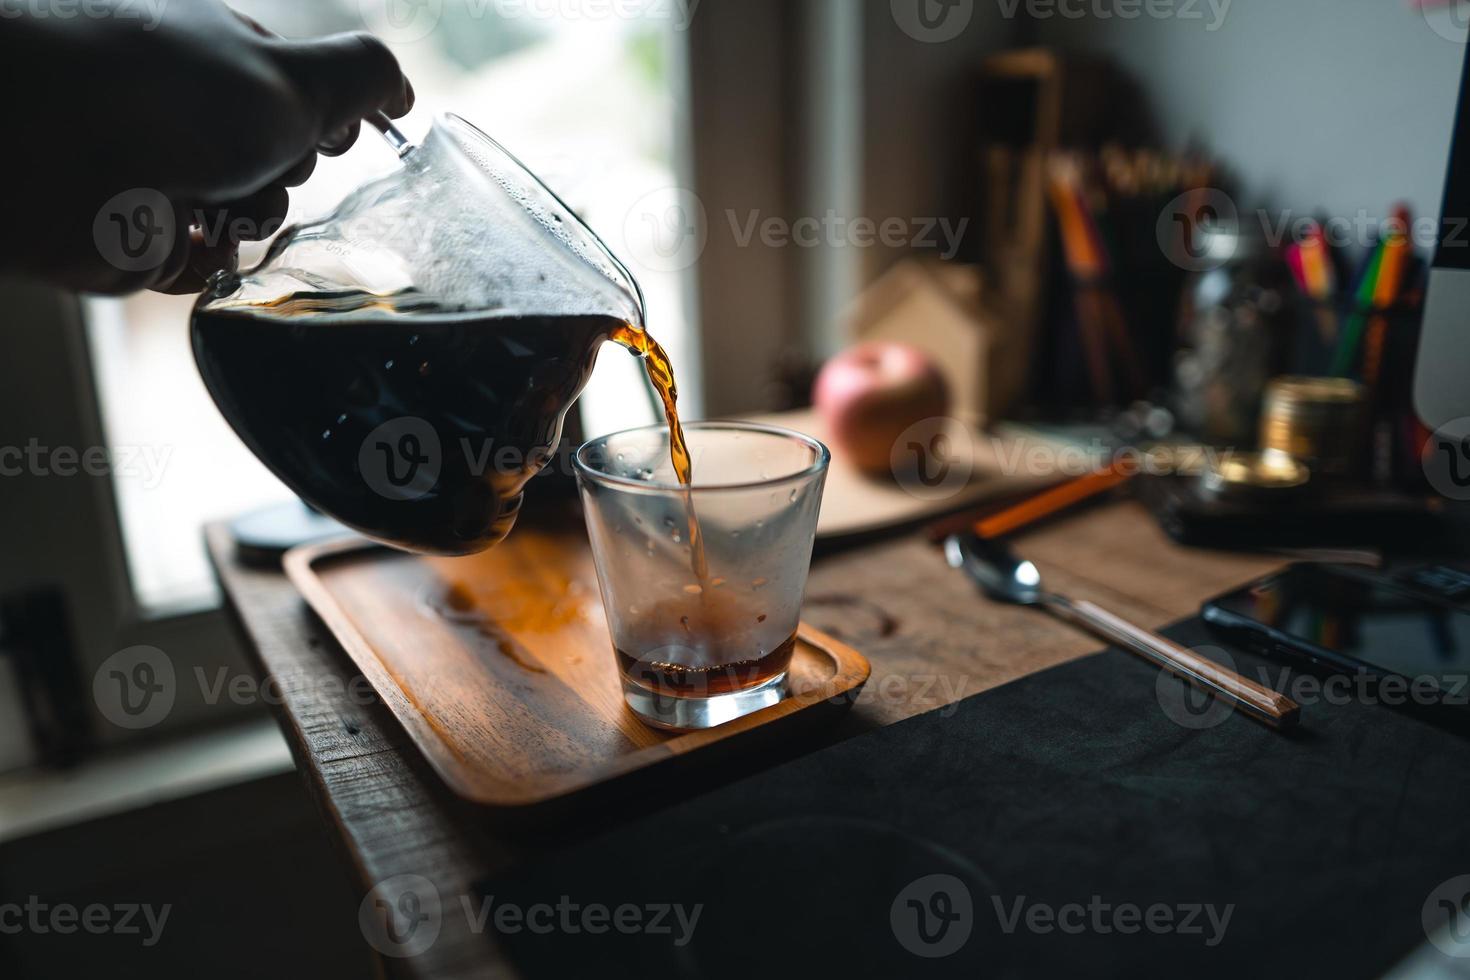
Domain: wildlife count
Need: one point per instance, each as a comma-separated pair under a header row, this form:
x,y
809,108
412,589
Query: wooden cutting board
x,y
501,669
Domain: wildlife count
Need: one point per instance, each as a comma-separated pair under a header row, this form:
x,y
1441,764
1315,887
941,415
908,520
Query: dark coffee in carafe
x,y
420,429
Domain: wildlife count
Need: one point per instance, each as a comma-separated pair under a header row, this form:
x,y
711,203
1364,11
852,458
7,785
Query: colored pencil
x,y
1397,252
1296,264
1352,334
1050,502
1317,264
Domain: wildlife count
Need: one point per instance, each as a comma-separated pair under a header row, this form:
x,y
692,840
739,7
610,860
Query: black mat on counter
x,y
1070,791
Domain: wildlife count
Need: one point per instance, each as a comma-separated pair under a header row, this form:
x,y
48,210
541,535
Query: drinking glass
x,y
703,585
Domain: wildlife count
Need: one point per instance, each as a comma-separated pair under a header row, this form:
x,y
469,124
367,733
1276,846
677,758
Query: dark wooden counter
x,y
930,637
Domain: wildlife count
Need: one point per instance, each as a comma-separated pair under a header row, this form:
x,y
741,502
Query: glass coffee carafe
x,y
405,364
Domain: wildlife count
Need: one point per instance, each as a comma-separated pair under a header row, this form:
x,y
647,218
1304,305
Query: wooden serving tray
x,y
501,669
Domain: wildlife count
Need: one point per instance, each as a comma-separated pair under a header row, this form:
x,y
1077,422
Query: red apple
x,y
868,395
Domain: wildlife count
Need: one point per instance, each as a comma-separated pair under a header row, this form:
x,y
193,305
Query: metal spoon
x,y
1007,578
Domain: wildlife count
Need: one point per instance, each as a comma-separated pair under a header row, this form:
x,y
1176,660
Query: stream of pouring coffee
x,y
719,649
661,375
